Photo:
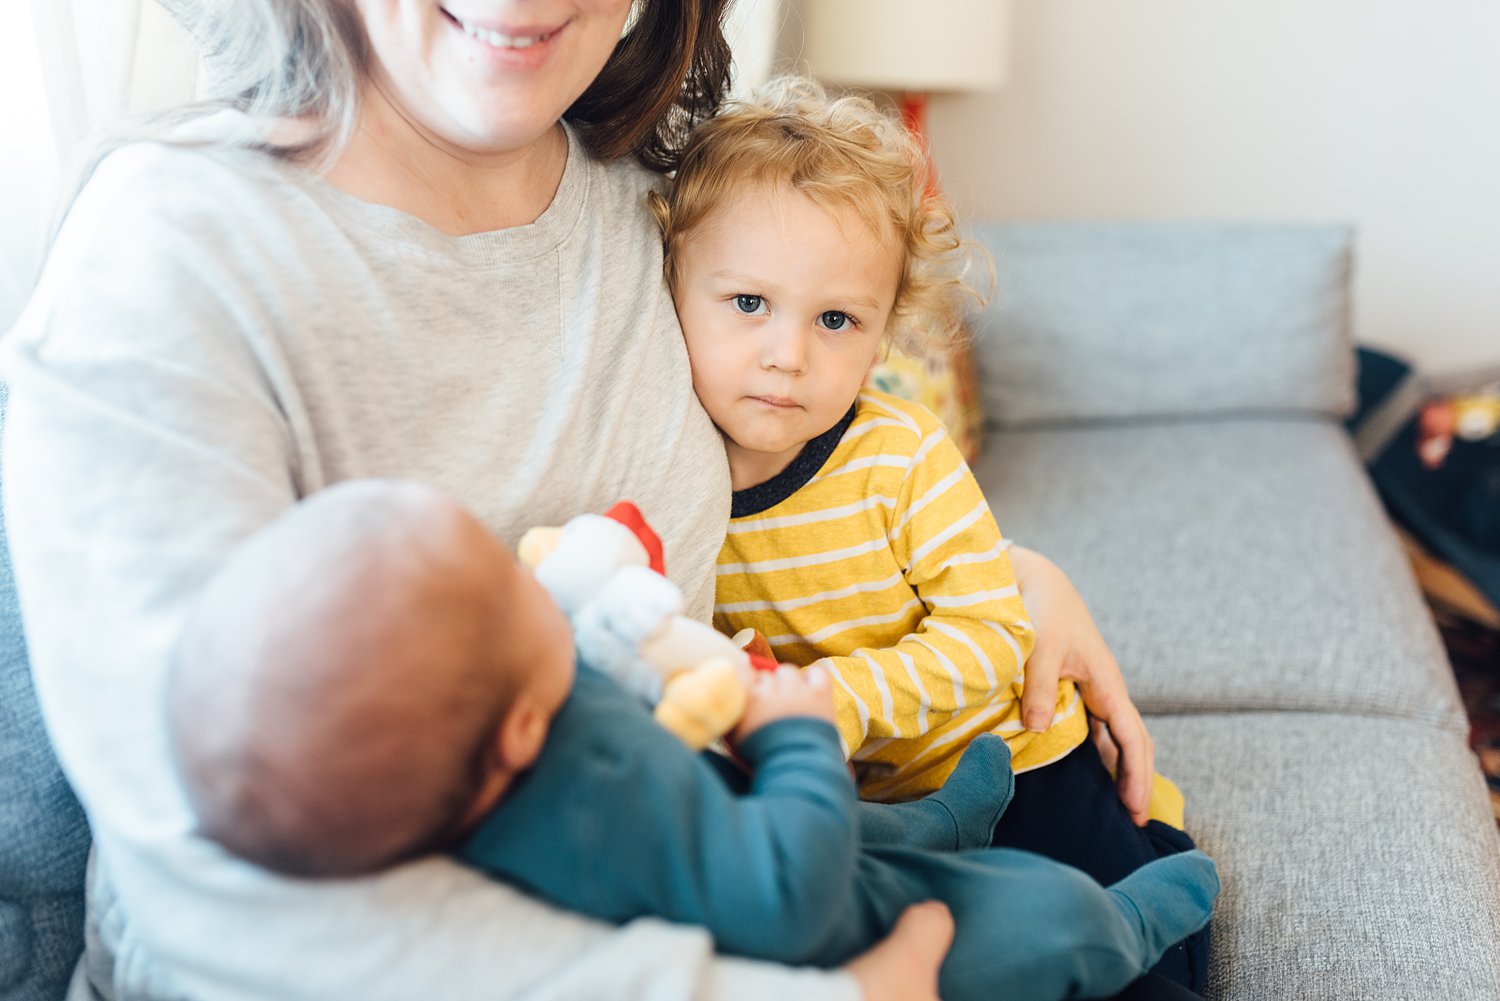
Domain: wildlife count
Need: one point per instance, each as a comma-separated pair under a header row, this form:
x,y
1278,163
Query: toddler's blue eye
x,y
834,320
748,303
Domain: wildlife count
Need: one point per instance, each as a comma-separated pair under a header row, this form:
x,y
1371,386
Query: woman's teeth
x,y
500,41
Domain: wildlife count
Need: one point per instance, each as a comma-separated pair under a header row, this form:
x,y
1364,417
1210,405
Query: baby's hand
x,y
782,694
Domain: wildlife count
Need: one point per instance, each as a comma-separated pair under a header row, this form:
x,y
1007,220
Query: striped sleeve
x,y
967,648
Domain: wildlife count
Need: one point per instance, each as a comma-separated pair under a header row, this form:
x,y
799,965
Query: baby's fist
x,y
785,693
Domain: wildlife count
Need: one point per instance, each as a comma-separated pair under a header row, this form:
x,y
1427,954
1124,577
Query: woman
x,y
387,259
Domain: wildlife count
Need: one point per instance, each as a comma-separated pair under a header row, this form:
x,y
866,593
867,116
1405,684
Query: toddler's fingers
x,y
817,677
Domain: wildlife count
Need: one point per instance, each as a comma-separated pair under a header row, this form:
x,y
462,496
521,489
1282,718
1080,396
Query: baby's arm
x,y
620,820
970,646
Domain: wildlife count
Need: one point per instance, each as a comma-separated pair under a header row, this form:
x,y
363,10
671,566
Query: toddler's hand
x,y
784,693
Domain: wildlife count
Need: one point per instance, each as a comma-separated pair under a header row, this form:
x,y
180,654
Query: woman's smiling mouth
x,y
522,38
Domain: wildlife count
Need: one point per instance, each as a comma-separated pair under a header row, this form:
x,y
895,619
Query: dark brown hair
x,y
667,73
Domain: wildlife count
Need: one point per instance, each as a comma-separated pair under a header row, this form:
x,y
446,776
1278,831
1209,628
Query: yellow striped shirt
x,y
883,561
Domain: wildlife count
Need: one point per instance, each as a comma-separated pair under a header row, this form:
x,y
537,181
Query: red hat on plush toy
x,y
630,516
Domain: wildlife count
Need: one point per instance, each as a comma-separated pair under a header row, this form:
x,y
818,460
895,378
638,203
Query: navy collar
x,y
764,496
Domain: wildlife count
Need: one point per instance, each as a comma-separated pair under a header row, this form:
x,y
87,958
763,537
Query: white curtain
x,y
69,68
751,28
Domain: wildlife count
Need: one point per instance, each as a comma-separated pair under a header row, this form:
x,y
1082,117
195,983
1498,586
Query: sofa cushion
x,y
1231,564
1358,856
1105,320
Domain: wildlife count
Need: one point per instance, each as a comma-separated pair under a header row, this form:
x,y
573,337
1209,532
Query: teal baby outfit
x,y
619,820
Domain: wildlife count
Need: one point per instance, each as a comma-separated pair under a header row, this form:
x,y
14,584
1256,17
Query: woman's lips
x,y
504,38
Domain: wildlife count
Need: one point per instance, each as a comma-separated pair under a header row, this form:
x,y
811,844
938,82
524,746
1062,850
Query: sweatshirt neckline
x,y
510,245
807,464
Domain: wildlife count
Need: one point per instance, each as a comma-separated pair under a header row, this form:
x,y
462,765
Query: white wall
x,y
28,161
1385,113
68,70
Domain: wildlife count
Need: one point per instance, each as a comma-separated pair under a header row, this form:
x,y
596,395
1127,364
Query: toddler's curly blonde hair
x,y
841,151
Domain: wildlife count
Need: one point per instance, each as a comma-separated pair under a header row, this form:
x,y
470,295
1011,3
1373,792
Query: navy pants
x,y
1070,811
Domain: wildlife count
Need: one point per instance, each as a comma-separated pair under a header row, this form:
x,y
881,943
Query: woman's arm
x,y
145,439
1069,645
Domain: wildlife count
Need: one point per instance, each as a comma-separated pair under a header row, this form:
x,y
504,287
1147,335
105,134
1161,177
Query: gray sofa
x,y
1165,406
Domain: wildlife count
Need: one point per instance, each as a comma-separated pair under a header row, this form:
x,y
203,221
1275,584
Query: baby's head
x,y
800,239
362,680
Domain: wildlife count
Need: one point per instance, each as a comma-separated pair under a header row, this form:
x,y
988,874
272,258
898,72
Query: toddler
x,y
402,685
800,240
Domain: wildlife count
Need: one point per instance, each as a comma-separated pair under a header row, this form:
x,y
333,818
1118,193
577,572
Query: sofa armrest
x,y
1097,321
44,836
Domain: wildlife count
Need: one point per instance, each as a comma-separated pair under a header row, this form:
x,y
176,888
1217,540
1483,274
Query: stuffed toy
x,y
606,572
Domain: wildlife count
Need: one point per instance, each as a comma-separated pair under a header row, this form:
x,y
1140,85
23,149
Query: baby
x,y
404,685
800,240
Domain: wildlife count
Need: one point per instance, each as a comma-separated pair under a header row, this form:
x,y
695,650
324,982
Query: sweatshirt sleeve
x,y
620,820
145,439
969,647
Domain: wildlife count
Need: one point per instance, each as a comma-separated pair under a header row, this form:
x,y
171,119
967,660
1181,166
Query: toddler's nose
x,y
785,349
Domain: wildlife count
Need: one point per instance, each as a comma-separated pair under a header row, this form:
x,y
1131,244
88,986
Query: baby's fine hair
x,y
839,152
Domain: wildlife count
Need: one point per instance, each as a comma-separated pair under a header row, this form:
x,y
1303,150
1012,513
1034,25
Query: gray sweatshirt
x,y
216,335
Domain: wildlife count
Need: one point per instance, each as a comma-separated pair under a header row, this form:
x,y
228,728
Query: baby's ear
x,y
522,734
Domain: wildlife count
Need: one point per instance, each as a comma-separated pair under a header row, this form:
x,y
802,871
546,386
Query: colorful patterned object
x,y
1436,462
944,385
1469,417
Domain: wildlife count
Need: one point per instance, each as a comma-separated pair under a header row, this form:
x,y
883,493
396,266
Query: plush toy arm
x,y
579,560
638,605
609,630
703,704
754,643
685,643
707,680
537,544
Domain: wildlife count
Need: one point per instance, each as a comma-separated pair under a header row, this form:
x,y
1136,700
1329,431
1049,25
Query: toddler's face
x,y
784,304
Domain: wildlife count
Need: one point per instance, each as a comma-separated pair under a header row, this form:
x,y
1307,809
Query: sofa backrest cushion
x,y
1097,321
44,838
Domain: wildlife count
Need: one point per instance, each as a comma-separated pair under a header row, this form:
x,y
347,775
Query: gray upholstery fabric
x,y
1358,855
1102,320
44,839
1232,564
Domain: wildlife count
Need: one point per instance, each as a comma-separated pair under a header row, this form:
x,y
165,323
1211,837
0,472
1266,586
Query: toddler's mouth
x,y
780,402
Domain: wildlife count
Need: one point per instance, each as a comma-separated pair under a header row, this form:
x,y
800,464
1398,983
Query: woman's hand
x,y
904,966
1069,645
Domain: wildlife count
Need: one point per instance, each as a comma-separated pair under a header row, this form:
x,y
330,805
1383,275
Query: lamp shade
x,y
934,45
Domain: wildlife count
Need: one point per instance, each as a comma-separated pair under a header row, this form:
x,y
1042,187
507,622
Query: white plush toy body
x,y
605,571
